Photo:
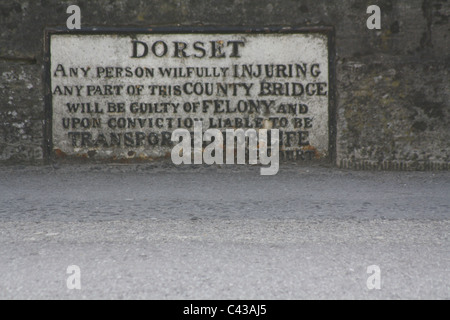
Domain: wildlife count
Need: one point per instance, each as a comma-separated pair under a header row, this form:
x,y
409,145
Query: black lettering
x,y
60,68
180,47
164,49
216,49
135,49
129,141
235,48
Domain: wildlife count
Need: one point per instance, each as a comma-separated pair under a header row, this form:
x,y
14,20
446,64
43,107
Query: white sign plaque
x,y
121,95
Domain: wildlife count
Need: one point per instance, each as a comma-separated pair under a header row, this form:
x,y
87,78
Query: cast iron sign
x,y
119,93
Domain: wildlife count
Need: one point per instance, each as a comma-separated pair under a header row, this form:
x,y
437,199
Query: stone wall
x,y
392,89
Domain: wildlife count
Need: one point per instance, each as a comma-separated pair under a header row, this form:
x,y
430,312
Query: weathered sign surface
x,y
121,95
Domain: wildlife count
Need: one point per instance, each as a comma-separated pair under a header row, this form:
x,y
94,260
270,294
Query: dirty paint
x,y
126,104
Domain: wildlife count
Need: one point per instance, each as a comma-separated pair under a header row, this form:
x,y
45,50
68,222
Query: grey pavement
x,y
160,232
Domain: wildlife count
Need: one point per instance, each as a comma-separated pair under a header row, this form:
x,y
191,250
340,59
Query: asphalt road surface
x,y
158,232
